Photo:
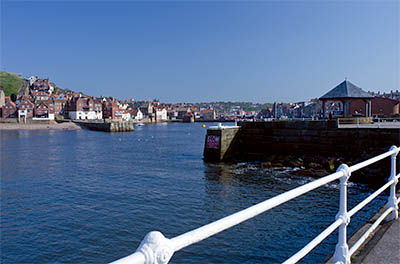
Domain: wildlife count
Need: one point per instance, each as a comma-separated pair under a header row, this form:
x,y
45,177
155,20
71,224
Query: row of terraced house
x,y
41,102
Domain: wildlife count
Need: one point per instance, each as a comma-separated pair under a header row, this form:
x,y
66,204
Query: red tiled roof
x,y
206,111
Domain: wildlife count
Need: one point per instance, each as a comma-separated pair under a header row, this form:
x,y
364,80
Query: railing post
x,y
358,123
342,255
392,200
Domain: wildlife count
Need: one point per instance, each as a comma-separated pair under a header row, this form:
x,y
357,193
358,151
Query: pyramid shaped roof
x,y
346,90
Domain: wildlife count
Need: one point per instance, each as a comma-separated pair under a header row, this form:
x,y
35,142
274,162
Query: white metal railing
x,y
155,248
377,122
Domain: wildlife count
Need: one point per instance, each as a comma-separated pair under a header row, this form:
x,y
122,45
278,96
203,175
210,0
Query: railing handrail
x,y
155,248
369,117
376,122
342,120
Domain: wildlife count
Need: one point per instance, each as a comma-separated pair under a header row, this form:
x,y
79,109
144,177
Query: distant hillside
x,y
58,90
10,83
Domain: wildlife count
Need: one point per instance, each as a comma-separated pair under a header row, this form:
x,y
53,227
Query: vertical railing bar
x,y
341,254
392,199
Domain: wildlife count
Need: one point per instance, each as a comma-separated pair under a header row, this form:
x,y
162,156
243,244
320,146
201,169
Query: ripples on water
x,y
91,197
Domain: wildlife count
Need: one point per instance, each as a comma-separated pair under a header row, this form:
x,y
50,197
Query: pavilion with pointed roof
x,y
345,92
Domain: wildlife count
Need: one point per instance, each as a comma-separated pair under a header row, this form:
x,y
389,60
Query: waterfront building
x,y
208,114
60,106
84,108
161,114
109,108
172,114
41,85
188,117
44,110
136,114
380,106
9,110
26,109
2,98
346,92
182,112
32,80
40,95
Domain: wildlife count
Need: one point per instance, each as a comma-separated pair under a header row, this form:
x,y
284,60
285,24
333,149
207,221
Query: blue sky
x,y
259,51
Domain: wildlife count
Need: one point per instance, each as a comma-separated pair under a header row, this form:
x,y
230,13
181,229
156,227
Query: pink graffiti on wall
x,y
213,142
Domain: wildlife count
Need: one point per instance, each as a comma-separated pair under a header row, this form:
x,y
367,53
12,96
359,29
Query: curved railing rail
x,y
155,248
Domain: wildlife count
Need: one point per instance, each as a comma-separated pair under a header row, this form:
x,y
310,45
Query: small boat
x,y
140,124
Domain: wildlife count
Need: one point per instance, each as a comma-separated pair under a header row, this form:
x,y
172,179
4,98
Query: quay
x,y
107,126
317,146
385,249
258,140
383,245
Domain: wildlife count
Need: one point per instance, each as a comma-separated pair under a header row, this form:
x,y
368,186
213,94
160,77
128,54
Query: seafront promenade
x,y
384,248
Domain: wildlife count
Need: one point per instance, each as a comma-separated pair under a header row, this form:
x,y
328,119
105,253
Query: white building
x,y
85,108
82,115
137,115
161,115
32,79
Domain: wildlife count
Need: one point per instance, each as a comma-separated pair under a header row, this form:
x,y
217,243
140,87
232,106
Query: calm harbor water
x,y
91,197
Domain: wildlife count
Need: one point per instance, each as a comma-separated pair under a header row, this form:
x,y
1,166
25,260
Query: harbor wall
x,y
258,139
108,126
317,147
221,143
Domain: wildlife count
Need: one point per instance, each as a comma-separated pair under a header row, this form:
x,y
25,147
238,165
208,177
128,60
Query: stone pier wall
x,y
109,126
258,139
221,144
318,147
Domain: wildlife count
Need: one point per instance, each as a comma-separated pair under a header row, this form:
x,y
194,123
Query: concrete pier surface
x,y
381,247
384,249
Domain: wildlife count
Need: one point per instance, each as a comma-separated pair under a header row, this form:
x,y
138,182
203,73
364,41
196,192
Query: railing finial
x,y
396,149
156,248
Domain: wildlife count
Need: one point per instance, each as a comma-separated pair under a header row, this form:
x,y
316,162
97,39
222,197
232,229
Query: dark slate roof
x,y
346,90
